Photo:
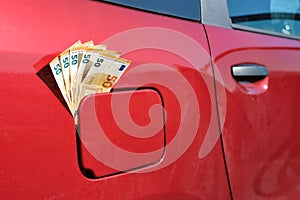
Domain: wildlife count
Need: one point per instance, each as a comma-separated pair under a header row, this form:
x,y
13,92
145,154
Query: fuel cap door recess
x,y
120,131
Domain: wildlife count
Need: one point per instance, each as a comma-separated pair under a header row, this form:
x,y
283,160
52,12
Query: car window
x,y
278,16
188,9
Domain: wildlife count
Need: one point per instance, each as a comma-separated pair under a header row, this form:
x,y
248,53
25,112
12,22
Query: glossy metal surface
x,y
38,147
99,111
260,128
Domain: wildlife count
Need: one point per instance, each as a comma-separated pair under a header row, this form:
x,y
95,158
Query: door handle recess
x,y
249,72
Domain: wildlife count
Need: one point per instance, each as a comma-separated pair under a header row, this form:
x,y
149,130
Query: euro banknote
x,y
85,69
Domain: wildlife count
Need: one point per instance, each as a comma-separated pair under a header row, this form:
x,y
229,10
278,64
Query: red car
x,y
208,108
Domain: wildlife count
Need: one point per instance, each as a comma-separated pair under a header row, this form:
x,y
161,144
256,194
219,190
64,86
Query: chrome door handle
x,y
249,72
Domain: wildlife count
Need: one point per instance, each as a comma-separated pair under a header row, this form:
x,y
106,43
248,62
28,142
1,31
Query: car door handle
x,y
249,72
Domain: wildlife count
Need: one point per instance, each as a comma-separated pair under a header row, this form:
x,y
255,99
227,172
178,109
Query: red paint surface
x,y
38,138
260,130
133,139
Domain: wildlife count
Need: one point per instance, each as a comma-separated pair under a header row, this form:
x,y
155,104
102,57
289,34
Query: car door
x,y
256,60
168,89
170,60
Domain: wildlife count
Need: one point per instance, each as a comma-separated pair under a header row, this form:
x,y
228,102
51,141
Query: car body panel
x,y
259,128
38,146
125,134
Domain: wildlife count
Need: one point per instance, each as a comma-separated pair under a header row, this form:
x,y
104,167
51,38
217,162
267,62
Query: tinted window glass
x,y
281,16
189,9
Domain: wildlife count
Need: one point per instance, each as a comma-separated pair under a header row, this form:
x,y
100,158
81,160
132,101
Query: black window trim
x,y
263,31
216,13
264,16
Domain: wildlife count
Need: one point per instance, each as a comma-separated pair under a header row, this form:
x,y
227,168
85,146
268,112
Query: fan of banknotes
x,y
85,69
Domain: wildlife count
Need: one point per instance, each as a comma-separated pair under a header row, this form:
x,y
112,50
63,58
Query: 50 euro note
x,y
57,73
103,75
89,59
85,69
64,58
57,68
75,58
75,55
